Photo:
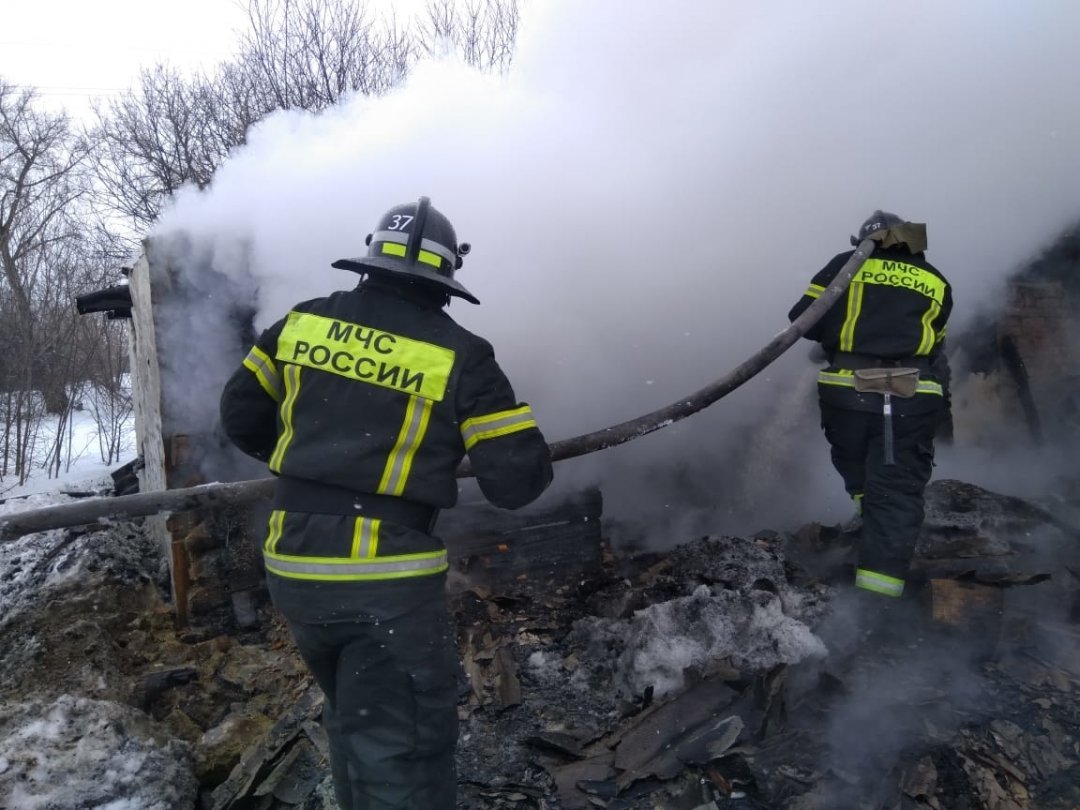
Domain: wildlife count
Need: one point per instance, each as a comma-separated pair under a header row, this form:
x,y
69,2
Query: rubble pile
x,y
724,673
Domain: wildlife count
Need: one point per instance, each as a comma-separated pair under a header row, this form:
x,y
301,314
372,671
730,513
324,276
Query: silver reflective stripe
x,y
269,376
366,529
878,583
930,387
473,430
836,378
393,481
400,237
353,569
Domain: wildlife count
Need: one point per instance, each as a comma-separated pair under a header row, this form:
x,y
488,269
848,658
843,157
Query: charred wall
x,y
1018,367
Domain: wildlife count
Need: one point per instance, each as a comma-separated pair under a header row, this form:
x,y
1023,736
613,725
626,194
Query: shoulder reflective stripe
x,y
338,569
275,526
901,274
365,537
399,464
846,379
929,337
854,309
878,583
292,390
814,291
497,424
260,364
362,353
393,248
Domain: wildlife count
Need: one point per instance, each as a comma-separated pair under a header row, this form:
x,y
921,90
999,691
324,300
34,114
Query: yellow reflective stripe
x,y
292,390
846,379
262,366
342,569
365,537
900,274
814,291
857,498
878,583
362,353
493,425
929,338
427,257
854,309
929,387
399,464
276,524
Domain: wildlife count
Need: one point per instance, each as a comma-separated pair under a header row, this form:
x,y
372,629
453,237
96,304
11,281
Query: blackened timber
x,y
495,546
17,524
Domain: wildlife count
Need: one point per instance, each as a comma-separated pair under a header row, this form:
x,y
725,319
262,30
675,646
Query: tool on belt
x,y
889,382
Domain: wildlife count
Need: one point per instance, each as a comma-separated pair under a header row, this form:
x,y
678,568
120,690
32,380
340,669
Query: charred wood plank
x,y
261,760
494,546
141,504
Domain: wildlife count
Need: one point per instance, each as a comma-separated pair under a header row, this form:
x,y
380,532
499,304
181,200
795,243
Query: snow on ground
x,y
74,752
82,465
60,750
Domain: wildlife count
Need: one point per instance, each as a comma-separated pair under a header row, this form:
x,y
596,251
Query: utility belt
x,y
299,495
855,361
886,376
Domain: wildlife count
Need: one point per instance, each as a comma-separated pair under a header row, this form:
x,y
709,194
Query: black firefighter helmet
x,y
414,241
889,230
877,223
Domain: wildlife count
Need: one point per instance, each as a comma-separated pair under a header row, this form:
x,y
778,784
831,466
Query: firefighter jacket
x,y
893,314
363,404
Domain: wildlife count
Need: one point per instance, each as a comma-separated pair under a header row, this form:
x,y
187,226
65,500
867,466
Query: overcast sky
x,y
75,51
650,189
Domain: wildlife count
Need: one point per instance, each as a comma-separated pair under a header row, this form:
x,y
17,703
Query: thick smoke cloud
x,y
648,192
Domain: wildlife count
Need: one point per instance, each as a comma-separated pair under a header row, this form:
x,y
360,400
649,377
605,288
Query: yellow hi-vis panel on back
x,y
367,355
900,274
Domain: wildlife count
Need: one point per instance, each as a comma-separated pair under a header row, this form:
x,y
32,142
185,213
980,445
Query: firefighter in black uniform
x,y
885,390
363,404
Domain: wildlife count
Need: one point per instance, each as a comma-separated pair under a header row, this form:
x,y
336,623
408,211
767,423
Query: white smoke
x,y
651,187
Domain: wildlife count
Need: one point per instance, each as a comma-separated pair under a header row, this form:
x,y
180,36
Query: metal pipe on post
x,y
84,512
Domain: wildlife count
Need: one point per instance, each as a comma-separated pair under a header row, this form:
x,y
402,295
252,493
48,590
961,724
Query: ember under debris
x,y
726,673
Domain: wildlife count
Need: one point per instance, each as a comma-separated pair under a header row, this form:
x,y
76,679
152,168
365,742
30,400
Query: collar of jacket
x,y
417,294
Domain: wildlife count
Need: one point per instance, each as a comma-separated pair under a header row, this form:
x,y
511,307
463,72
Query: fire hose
x,y
219,494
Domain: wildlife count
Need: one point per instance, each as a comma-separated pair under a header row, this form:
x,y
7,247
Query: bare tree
x,y
172,130
481,32
310,54
41,177
53,248
155,139
110,400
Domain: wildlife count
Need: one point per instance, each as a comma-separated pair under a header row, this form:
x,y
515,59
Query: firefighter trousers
x,y
390,708
891,495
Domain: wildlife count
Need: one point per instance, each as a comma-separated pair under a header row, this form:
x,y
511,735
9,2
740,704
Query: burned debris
x,y
717,674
